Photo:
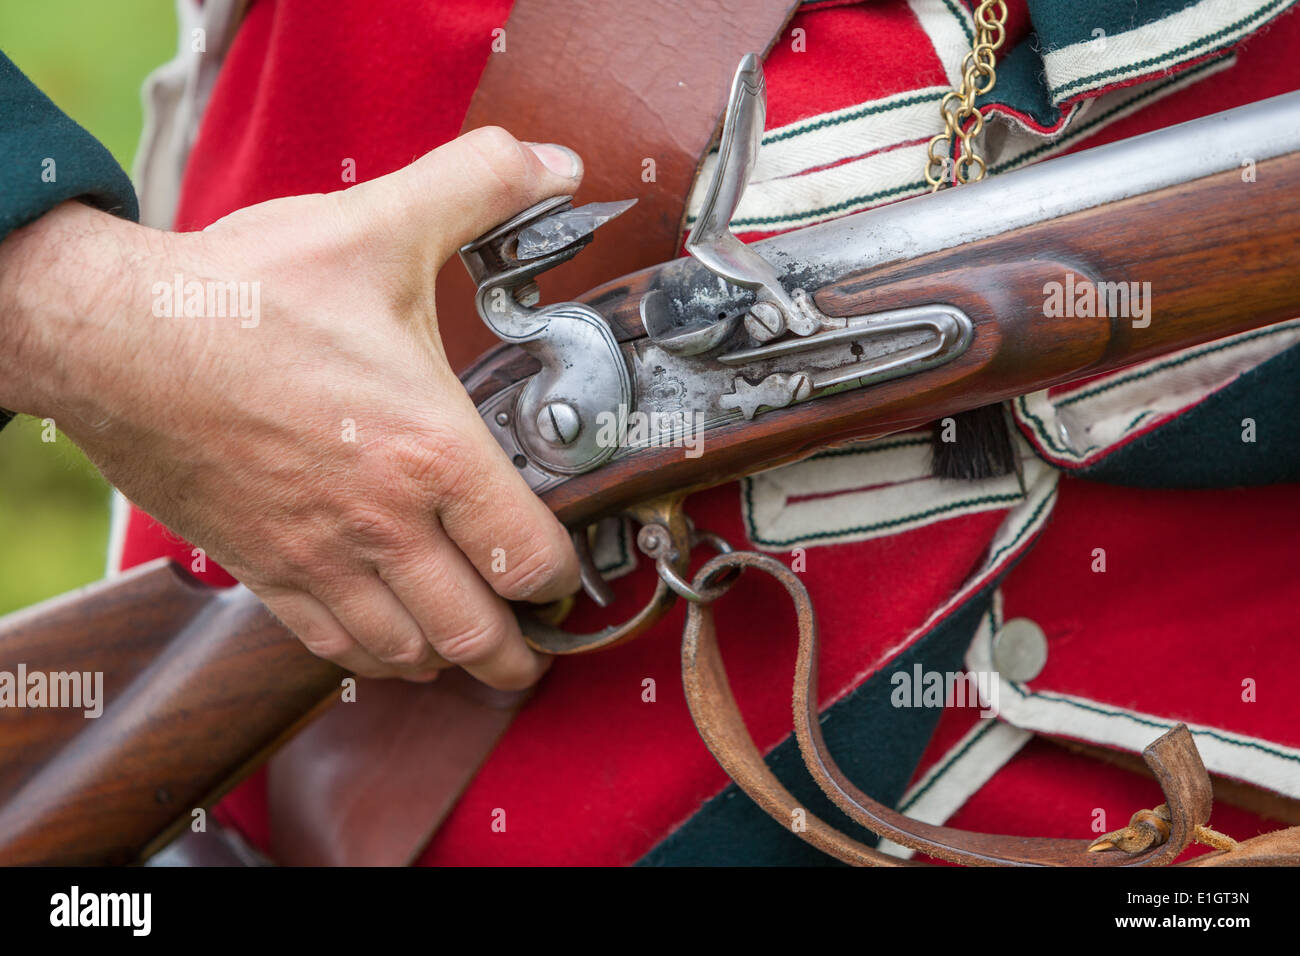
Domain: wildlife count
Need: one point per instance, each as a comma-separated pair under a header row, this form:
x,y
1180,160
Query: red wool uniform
x,y
1165,593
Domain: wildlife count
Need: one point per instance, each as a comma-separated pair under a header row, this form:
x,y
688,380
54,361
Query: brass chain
x,y
958,106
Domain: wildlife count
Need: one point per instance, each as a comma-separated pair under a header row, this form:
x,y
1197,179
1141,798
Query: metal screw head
x,y
764,321
1019,650
558,423
801,386
503,418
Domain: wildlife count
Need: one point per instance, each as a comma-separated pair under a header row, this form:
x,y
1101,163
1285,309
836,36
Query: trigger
x,y
593,582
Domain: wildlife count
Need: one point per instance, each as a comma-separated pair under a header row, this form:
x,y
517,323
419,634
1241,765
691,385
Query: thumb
x,y
477,181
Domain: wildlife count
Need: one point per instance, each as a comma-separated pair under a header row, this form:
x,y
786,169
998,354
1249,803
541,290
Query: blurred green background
x,y
90,57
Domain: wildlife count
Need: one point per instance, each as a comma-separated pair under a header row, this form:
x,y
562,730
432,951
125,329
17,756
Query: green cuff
x,y
47,159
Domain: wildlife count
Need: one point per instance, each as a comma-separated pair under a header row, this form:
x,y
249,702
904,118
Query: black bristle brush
x,y
980,447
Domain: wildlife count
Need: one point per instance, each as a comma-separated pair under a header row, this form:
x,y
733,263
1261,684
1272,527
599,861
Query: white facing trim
x,y
1198,30
951,28
831,137
1085,424
613,548
1263,763
868,490
822,167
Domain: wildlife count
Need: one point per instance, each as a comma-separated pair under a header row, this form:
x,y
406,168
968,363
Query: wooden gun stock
x,y
199,686
202,684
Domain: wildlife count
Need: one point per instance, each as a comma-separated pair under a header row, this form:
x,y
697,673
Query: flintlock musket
x,y
847,330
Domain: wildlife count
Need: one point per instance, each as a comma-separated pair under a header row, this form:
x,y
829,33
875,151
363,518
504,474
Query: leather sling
x,y
1173,759
370,781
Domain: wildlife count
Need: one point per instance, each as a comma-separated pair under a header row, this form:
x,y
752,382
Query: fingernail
x,y
558,159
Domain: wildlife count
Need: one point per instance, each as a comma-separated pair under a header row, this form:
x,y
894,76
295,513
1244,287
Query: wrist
x,y
70,284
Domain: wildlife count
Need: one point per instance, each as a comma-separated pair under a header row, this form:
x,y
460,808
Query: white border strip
x,y
1157,47
949,40
871,490
1261,762
862,182
832,137
1084,425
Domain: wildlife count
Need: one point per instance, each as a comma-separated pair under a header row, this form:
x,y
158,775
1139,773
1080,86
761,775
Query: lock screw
x,y
764,321
558,423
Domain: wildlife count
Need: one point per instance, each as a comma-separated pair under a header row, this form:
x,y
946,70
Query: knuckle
x,y
407,655
325,644
439,457
297,559
444,466
530,576
495,145
473,643
500,153
369,527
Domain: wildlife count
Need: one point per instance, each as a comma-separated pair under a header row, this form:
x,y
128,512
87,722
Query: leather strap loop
x,y
1278,848
1173,759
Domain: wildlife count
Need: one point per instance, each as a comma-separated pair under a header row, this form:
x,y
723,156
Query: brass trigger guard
x,y
666,536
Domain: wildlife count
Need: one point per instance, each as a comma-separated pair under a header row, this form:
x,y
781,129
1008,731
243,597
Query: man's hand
x,y
316,443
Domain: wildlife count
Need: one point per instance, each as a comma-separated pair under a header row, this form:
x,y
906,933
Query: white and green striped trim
x,y
869,490
611,548
1083,425
829,138
813,170
1198,30
951,30
1020,526
1254,760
